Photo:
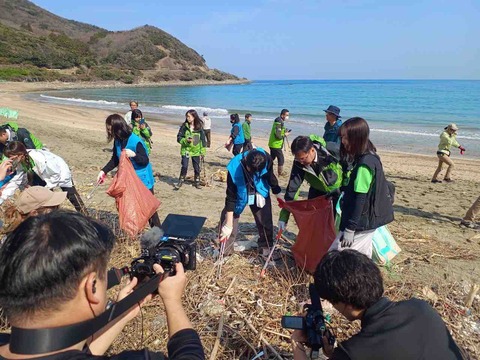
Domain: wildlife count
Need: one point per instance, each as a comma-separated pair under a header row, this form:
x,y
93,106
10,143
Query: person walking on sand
x,y
277,137
332,115
247,132
236,137
207,126
191,138
448,138
128,115
471,217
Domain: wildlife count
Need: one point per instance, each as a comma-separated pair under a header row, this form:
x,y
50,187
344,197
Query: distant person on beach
x,y
448,138
207,126
191,138
236,138
249,180
394,330
124,139
247,132
332,115
11,132
277,138
141,129
47,168
128,115
472,216
318,167
367,201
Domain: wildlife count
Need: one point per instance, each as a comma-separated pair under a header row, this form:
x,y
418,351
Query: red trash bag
x,y
316,230
135,203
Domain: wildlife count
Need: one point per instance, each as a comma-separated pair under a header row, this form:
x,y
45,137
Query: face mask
x,y
287,117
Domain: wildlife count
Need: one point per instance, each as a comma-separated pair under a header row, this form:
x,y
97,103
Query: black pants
x,y
263,220
237,149
74,197
208,136
277,154
195,162
155,219
247,145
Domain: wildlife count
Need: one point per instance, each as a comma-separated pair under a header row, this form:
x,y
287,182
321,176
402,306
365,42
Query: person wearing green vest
x,y
277,136
191,138
318,167
141,129
247,133
11,132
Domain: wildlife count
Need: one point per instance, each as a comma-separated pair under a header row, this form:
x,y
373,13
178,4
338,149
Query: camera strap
x,y
40,341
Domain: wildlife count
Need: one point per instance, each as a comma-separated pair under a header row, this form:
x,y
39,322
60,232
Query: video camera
x,y
175,243
313,324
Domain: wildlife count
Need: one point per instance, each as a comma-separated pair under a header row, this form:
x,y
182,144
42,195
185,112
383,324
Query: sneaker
x,y
449,180
435,181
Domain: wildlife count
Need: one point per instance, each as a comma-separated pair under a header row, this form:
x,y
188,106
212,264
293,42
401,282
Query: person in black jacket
x,y
403,330
53,273
367,203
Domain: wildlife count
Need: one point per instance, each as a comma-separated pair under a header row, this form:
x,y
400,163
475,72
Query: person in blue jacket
x,y
236,135
249,180
123,138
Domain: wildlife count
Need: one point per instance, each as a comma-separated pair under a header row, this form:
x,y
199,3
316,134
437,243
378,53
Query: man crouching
x,y
53,273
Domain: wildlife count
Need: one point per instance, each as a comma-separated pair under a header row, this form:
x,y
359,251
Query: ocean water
x,y
404,115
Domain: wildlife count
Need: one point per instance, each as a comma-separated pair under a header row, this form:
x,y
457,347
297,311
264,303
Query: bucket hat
x,y
332,109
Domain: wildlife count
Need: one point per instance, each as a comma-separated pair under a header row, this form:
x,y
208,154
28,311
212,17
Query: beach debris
x,y
471,295
430,294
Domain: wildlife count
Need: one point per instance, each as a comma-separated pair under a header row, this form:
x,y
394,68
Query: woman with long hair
x,y
191,138
48,169
120,133
367,202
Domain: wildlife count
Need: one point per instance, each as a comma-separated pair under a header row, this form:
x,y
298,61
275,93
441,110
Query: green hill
x,y
36,45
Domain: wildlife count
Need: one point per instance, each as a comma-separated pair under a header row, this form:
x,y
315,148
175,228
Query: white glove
x,y
225,233
347,238
130,153
101,177
282,225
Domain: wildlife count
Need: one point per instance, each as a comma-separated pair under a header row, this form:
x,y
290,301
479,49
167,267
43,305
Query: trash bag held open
x,y
316,230
135,203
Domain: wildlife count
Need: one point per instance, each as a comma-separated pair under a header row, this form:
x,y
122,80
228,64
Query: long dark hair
x,y
15,148
197,122
235,118
356,132
118,128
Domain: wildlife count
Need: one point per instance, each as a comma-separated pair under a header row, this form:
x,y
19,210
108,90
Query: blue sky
x,y
308,39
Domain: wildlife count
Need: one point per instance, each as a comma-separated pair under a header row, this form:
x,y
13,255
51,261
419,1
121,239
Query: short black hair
x,y
301,144
3,129
247,115
136,113
44,259
349,277
256,160
235,118
284,111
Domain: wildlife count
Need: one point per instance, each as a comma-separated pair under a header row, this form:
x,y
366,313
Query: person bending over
x,y
53,273
403,330
11,132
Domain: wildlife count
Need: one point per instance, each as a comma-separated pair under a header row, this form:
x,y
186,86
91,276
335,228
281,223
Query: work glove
x,y
225,233
462,150
101,177
347,238
282,225
130,153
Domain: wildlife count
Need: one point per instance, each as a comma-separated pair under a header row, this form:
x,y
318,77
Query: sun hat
x,y
452,126
36,197
332,109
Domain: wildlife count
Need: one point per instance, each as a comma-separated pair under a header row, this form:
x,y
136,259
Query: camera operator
x,y
403,330
53,273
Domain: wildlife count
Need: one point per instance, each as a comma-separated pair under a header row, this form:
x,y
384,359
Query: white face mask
x,y
287,117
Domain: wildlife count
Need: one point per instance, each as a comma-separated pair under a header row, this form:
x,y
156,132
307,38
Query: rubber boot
x,y
197,182
181,179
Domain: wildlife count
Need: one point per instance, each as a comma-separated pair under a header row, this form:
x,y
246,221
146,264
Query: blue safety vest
x,y
240,139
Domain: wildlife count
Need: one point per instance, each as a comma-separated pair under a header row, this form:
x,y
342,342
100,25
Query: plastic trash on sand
x,y
135,203
316,230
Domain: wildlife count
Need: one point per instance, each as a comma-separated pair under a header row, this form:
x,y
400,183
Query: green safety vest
x,y
274,142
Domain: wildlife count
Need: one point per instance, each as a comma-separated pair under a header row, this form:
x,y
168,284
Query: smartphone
x,y
142,121
293,322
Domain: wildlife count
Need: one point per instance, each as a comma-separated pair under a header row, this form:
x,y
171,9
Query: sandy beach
x,y
437,253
